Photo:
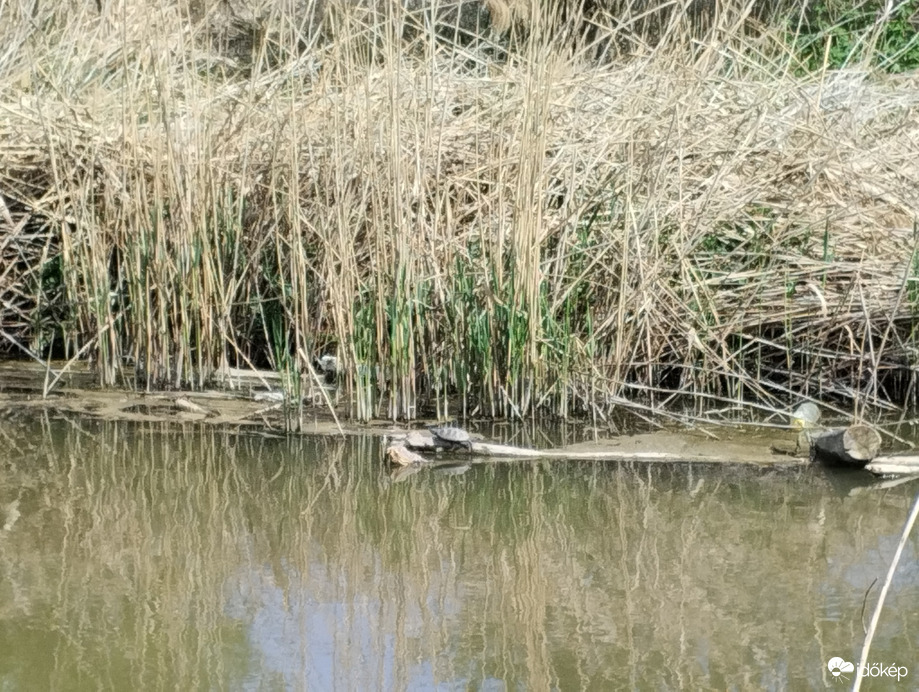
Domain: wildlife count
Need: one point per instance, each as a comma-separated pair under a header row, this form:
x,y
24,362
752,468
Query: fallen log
x,y
423,440
894,465
853,447
485,452
856,446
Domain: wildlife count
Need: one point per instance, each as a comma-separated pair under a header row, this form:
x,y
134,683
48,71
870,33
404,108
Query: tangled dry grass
x,y
693,220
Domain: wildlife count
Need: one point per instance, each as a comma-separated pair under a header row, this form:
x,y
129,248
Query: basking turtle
x,y
451,437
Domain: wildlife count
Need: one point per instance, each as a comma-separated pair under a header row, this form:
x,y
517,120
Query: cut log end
x,y
861,442
854,446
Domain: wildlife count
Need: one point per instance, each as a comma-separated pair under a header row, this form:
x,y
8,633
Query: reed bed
x,y
555,221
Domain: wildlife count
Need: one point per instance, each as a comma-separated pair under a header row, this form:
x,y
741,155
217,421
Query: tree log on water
x,y
659,447
854,446
895,465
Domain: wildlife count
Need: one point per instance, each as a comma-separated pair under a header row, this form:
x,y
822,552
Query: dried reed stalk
x,y
678,222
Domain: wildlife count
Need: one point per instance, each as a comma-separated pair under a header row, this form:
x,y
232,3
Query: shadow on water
x,y
136,557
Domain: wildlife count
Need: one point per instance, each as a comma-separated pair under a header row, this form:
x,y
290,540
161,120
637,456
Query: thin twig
x,y
876,616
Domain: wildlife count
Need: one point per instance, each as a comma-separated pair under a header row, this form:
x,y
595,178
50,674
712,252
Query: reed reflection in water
x,y
138,557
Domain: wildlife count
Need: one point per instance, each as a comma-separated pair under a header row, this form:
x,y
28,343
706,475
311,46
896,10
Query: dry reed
x,y
687,219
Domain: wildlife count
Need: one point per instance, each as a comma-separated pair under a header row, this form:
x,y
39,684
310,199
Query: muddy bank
x,y
254,404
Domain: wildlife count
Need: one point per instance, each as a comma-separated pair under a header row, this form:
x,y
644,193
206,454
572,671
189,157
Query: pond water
x,y
161,557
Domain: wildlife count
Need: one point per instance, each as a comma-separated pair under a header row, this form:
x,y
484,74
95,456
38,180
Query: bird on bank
x,y
805,417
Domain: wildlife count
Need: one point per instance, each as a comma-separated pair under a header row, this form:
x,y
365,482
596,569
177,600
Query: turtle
x,y
451,437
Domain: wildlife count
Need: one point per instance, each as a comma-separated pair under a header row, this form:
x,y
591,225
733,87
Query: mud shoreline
x,y
252,405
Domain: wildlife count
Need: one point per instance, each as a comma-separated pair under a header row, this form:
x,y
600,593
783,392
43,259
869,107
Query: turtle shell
x,y
451,434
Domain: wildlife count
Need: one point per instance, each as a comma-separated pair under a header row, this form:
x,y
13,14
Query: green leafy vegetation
x,y
836,35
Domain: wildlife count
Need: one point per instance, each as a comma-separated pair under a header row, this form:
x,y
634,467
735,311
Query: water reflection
x,y
189,558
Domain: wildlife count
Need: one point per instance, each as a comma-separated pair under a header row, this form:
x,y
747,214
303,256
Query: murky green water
x,y
139,557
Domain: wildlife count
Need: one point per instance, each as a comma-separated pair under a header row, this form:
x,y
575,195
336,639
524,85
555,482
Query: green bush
x,y
857,34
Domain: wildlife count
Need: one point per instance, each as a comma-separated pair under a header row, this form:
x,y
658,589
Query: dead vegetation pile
x,y
698,220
